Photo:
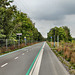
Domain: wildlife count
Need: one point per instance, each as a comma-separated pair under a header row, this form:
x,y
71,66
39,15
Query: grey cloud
x,y
47,9
53,10
49,13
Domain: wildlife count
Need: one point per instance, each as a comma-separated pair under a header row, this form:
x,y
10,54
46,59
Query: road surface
x,y
18,63
50,64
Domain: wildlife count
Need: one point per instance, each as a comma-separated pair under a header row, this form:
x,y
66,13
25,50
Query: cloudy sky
x,y
49,13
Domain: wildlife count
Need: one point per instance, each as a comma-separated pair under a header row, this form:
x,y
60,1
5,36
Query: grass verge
x,y
66,62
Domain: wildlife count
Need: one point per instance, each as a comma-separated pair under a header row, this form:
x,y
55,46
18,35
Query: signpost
x,y
51,41
25,40
19,34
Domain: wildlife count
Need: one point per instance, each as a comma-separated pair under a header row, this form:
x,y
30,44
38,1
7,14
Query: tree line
x,y
63,33
13,21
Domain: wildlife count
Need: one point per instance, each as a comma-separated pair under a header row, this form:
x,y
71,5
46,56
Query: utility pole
x,y
6,44
54,37
57,40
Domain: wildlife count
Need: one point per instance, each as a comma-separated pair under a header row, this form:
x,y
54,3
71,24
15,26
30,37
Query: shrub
x,y
0,50
73,57
12,48
22,45
3,49
67,52
28,44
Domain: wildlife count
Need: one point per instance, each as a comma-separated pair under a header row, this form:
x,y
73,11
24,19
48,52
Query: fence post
x,y
14,43
54,40
6,44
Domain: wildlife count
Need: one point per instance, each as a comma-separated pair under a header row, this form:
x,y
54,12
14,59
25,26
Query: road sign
x,y
18,33
51,36
24,38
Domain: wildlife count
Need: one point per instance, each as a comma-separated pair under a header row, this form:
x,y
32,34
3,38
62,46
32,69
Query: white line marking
x,y
16,58
4,65
23,54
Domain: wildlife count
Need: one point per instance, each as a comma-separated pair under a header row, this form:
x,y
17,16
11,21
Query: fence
x,y
7,45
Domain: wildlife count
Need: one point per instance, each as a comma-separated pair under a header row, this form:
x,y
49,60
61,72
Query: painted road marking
x,y
4,65
16,58
27,51
23,54
34,61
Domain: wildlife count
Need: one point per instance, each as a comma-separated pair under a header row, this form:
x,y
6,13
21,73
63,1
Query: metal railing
x,y
7,45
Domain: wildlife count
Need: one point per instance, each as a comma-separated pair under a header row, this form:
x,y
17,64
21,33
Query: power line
x,y
20,6
17,4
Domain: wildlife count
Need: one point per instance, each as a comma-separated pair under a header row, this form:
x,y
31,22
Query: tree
x,y
62,34
68,35
13,21
1,34
58,31
6,14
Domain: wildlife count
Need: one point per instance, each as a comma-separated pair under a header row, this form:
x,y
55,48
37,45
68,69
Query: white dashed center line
x,y
16,58
4,65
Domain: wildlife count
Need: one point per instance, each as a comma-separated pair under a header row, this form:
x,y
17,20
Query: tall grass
x,y
67,50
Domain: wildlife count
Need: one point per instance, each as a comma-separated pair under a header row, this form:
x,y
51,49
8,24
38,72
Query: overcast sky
x,y
49,13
